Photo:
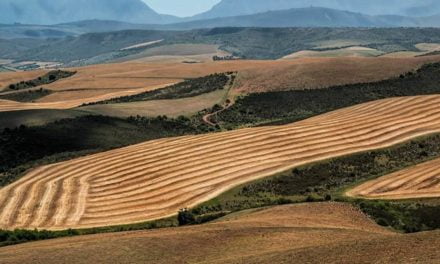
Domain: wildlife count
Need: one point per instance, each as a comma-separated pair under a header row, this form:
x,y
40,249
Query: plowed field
x,y
420,181
156,178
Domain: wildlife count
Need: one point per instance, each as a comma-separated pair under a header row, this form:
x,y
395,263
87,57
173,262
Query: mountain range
x,y
49,12
228,8
309,17
44,12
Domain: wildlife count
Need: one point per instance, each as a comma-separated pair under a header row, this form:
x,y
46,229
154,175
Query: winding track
x,y
156,178
420,181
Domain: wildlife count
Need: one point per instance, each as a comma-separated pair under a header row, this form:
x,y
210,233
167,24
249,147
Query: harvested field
x,y
420,181
112,80
6,105
156,178
424,48
313,233
315,73
7,78
170,108
177,53
355,51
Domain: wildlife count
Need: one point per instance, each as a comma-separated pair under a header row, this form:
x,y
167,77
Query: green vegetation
x,y
188,88
27,96
48,78
324,181
25,147
408,217
250,43
290,106
17,236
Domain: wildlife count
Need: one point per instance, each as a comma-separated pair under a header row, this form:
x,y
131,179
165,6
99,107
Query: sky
x,y
181,8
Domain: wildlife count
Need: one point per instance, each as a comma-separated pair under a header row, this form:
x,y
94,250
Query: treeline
x,y
188,88
26,147
289,106
324,181
26,96
48,78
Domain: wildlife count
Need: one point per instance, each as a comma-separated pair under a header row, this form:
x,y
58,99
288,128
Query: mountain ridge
x,y
228,8
44,12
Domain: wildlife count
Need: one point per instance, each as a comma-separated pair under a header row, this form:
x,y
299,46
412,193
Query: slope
x,y
313,233
61,11
420,181
136,183
372,7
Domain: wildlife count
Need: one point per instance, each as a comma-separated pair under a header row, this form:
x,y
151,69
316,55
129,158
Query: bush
x,y
185,217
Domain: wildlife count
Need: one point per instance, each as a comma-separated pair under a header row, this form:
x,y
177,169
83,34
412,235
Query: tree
x,y
185,217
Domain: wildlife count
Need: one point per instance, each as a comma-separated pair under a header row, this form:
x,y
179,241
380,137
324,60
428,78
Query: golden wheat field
x,y
6,105
101,82
420,181
156,178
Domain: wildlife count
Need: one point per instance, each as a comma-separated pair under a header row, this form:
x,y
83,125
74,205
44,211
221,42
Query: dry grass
x,y
304,233
170,108
257,233
421,181
113,80
313,73
355,51
7,78
176,53
6,106
156,178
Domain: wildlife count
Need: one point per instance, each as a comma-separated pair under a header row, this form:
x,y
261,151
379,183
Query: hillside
x,y
309,17
312,233
61,11
420,181
250,43
136,183
372,7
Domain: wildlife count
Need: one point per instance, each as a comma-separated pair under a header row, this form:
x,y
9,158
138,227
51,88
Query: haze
x,y
181,8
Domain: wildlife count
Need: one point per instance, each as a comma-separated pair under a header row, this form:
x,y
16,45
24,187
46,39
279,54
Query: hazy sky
x,y
181,7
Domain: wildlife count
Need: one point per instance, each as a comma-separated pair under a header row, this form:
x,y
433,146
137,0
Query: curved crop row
x,y
156,178
420,181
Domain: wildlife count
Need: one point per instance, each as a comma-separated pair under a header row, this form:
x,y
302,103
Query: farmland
x,y
102,82
310,232
135,184
420,181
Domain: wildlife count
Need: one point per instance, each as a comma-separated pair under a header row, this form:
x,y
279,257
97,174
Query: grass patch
x,y
408,217
48,78
185,89
27,96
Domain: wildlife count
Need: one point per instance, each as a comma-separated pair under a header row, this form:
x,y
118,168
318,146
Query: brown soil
x,y
303,233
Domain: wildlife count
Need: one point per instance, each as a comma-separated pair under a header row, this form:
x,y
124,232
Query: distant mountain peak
x,y
62,11
228,8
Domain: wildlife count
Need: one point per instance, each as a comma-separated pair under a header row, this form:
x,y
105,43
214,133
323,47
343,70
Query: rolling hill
x,y
227,8
312,233
309,17
420,181
136,183
249,43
